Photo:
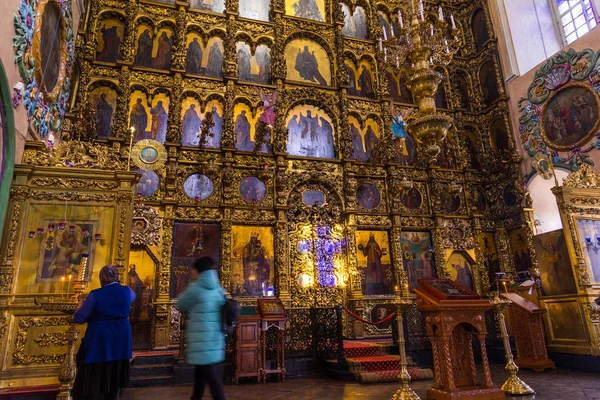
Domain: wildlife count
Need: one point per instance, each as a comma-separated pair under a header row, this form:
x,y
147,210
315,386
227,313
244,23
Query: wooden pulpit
x,y
528,331
272,314
454,317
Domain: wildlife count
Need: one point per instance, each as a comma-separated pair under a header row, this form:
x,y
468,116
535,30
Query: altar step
x,y
373,362
151,370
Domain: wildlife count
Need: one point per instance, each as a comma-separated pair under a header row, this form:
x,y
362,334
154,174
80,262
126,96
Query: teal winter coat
x,y
202,300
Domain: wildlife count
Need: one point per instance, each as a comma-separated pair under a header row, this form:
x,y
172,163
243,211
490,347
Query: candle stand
x,y
513,385
68,369
405,392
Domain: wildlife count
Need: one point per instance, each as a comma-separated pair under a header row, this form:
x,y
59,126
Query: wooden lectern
x,y
272,314
528,330
453,316
246,355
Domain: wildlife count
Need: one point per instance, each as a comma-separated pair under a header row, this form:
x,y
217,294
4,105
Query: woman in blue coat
x,y
202,300
105,351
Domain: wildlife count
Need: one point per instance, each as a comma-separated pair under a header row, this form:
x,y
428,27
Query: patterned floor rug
x,y
371,363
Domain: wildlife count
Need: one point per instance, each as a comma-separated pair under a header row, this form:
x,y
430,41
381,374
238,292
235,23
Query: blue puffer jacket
x,y
203,300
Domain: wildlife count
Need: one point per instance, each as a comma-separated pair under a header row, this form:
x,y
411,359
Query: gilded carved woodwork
x,y
286,177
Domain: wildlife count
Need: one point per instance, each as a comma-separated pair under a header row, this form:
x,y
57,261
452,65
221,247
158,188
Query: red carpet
x,y
370,363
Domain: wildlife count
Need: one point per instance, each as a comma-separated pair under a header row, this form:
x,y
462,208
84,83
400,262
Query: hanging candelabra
x,y
426,41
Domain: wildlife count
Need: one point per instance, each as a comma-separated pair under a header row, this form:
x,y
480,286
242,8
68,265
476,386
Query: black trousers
x,y
213,376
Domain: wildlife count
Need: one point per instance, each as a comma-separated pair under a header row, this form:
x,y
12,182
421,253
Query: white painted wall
x,y
545,207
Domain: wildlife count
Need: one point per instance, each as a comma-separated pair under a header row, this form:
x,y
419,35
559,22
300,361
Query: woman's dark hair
x,y
204,264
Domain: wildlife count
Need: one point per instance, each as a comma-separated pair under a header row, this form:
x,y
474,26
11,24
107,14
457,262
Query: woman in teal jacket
x,y
202,300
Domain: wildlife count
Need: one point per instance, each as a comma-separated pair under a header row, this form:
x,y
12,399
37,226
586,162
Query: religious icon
x,y
217,6
393,85
405,150
160,117
309,9
520,249
310,132
198,187
379,313
190,242
510,196
499,134
359,153
461,270
385,25
352,90
190,127
61,256
312,198
307,61
242,133
143,55
164,49
149,155
252,260
214,63
480,202
368,196
252,190
490,256
411,199
374,259
461,87
365,81
193,58
255,9
489,83
570,116
480,30
355,25
138,118
451,202
109,41
50,47
417,256
141,284
104,101
588,233
447,156
255,68
148,183
440,98
472,150
308,67
405,94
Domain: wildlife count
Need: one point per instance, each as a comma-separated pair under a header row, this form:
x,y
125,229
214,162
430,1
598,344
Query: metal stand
x,y
405,392
513,385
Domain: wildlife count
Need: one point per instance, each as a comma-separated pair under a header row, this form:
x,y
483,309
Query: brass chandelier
x,y
426,41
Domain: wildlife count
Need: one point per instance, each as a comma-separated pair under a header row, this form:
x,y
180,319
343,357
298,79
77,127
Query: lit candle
x,y
381,43
440,13
69,285
62,287
452,21
505,289
400,19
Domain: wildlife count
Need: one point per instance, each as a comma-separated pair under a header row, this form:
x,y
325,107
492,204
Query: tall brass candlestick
x,y
405,392
513,385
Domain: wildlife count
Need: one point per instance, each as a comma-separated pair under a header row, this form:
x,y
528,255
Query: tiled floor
x,y
549,385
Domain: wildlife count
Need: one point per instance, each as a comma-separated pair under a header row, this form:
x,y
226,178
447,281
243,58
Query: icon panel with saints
x,y
62,249
252,272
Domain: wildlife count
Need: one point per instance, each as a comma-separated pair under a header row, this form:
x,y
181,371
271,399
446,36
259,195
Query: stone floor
x,y
550,385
